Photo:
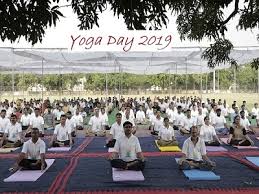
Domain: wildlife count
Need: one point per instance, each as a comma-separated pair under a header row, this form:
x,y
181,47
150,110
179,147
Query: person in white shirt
x,y
36,121
245,123
96,125
194,153
78,119
243,108
213,112
233,112
116,131
194,111
130,119
208,134
157,123
62,134
187,123
255,111
13,134
71,123
9,111
205,111
200,118
104,118
122,110
127,153
170,113
49,119
25,119
131,112
32,156
149,111
179,117
58,114
140,116
3,122
166,135
219,123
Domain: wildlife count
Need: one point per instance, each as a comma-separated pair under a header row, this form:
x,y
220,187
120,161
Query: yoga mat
x,y
111,150
59,149
245,147
215,149
28,175
254,160
127,175
199,175
168,148
8,150
224,140
147,144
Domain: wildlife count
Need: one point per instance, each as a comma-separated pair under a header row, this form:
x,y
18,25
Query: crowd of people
x,y
202,122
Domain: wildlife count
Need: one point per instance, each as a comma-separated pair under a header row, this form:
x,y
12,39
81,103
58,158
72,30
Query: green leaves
x,y
27,18
196,19
255,63
218,53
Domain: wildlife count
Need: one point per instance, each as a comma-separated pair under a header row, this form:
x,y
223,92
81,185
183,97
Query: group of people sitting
x,y
127,152
202,122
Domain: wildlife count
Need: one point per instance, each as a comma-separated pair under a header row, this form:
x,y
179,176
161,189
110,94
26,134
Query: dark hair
x,y
69,112
242,111
193,128
166,118
235,118
35,129
127,123
206,117
63,115
3,110
118,114
13,115
37,109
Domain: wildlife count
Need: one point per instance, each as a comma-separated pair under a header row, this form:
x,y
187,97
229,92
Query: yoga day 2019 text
x,y
125,43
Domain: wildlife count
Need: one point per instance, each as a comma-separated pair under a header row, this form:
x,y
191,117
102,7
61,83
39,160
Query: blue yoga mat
x,y
254,160
200,175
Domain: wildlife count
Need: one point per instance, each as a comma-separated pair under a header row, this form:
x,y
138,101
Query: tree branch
x,y
232,14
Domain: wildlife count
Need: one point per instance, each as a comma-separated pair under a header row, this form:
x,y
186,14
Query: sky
x,y
60,36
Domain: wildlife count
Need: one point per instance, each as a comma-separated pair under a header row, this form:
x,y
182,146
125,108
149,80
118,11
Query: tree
x,y
196,19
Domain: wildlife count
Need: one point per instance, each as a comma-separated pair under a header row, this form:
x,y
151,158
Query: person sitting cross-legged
x,y
96,125
194,151
238,135
36,121
62,134
127,154
208,133
166,135
116,131
32,156
13,134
